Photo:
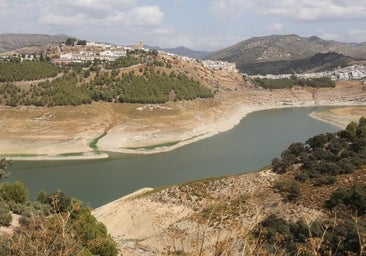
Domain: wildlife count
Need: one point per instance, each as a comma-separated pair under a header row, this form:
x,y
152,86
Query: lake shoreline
x,y
226,122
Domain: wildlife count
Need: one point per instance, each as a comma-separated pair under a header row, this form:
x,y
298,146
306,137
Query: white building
x,y
220,65
66,56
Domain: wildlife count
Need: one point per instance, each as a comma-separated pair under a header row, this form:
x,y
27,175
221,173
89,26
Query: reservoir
x,y
249,146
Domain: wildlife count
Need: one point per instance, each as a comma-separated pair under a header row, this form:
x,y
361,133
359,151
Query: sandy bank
x,y
340,117
134,218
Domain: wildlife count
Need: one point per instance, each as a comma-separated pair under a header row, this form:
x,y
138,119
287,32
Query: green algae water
x,y
249,146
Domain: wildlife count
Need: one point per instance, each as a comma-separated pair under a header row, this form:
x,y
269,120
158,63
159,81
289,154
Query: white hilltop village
x,y
109,52
92,51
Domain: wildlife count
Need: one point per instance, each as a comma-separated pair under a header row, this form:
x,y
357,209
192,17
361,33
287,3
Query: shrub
x,y
59,202
353,199
290,189
277,233
42,197
325,180
16,192
17,208
5,216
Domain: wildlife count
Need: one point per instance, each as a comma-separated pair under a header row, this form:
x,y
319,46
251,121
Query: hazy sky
x,y
198,24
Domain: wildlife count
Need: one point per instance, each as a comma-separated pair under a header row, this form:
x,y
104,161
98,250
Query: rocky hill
x,y
284,48
9,42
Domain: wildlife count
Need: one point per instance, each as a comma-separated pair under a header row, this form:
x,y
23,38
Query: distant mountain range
x,y
10,42
282,53
182,51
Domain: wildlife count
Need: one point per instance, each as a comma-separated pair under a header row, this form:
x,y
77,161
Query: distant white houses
x,y
356,72
66,56
112,55
83,56
28,57
220,65
101,51
101,45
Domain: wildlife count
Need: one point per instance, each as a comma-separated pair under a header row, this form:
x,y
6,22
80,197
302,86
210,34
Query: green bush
x,y
353,199
325,180
290,189
17,208
16,192
277,234
5,215
59,202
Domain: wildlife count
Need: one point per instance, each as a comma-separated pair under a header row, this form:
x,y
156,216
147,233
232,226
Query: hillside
x,y
317,63
311,202
284,48
9,42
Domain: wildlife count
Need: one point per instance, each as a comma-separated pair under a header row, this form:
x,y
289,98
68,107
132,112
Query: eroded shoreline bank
x,y
224,124
57,134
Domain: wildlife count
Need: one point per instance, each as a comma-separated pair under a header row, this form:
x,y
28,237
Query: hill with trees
x,y
138,78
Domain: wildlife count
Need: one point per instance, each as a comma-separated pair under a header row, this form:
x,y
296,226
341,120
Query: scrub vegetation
x,y
318,164
54,224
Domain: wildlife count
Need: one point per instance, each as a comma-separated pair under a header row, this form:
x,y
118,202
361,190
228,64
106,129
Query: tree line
x,y
288,83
